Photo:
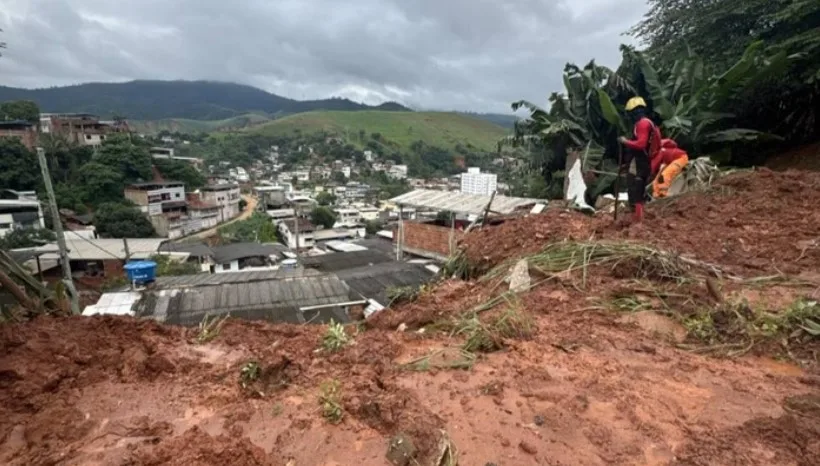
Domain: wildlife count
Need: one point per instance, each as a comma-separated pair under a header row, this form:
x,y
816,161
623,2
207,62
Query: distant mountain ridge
x,y
195,100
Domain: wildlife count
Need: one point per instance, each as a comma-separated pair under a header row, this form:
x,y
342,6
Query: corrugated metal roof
x,y
336,261
212,279
462,203
80,248
372,282
273,300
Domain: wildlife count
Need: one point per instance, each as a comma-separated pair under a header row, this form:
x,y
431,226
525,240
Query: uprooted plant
x,y
249,373
512,323
736,327
330,401
209,328
630,260
335,337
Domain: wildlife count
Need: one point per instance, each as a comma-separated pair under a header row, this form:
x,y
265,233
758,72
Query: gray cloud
x,y
475,55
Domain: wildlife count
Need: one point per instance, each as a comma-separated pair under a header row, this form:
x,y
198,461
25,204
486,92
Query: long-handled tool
x,y
618,180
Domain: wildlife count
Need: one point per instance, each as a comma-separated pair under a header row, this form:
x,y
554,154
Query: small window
x,y
177,194
226,266
88,136
5,226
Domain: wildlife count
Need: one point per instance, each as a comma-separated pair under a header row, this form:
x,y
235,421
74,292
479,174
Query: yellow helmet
x,y
634,103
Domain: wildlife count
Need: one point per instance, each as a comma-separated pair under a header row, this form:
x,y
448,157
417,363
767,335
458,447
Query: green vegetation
x,y
19,169
716,77
209,328
335,337
325,198
323,216
167,266
397,130
257,228
249,373
20,110
183,125
330,401
155,100
176,170
114,220
26,238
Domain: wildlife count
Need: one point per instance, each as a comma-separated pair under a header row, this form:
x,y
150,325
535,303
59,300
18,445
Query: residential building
x,y
23,130
278,215
19,210
369,213
206,213
243,256
242,175
151,197
168,153
398,172
297,296
271,197
348,217
346,171
305,232
80,128
226,196
475,182
368,155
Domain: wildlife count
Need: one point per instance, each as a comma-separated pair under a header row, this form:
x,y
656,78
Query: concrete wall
x,y
428,240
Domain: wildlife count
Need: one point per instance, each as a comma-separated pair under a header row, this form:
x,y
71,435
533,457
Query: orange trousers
x,y
662,183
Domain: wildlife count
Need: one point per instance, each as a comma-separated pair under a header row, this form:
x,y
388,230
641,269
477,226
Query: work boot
x,y
637,216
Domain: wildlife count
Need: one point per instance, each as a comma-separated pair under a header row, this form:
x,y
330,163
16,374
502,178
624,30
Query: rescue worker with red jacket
x,y
668,165
638,154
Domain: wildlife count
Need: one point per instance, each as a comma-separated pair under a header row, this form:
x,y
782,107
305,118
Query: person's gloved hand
x,y
622,139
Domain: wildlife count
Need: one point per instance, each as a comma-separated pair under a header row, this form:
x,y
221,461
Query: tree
x,y
100,183
131,160
242,204
115,220
323,216
26,238
178,170
723,29
325,198
20,110
339,177
19,169
373,226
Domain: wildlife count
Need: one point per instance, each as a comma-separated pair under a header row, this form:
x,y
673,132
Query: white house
x,y
398,172
305,233
19,210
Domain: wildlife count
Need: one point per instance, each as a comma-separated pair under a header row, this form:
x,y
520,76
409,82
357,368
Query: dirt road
x,y
249,209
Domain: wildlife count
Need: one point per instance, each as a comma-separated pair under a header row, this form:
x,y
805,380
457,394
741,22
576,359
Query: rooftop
x,y
304,225
16,124
463,203
232,252
373,282
81,248
213,279
272,300
220,187
154,183
336,261
194,249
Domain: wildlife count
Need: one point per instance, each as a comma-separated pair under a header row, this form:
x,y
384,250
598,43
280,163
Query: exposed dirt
x,y
588,386
750,223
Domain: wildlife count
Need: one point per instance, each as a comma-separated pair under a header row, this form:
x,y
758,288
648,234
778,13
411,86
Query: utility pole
x,y
68,281
296,226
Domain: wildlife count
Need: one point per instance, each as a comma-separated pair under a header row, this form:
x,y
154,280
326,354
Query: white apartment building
x,y
348,217
475,182
226,196
369,213
151,196
305,233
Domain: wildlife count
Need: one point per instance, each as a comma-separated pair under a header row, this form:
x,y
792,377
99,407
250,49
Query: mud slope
x,y
584,385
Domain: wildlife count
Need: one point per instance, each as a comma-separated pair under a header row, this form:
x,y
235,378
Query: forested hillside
x,y
155,100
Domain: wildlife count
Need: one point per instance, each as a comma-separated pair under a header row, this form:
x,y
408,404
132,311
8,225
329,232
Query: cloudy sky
x,y
477,55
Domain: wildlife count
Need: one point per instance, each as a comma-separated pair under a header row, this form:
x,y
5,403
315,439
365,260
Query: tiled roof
x,y
208,279
336,261
372,282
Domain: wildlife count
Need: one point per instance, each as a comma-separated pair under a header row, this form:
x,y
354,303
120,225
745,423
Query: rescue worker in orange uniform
x,y
638,154
666,166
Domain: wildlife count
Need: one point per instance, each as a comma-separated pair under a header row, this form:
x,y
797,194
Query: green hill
x,y
401,129
184,125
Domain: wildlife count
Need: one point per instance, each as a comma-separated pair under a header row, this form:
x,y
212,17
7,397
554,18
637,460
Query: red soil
x,y
588,388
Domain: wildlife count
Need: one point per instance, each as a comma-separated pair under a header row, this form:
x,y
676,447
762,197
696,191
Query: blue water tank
x,y
141,272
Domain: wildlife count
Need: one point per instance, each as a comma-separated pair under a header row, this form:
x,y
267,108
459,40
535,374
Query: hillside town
x,y
415,234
